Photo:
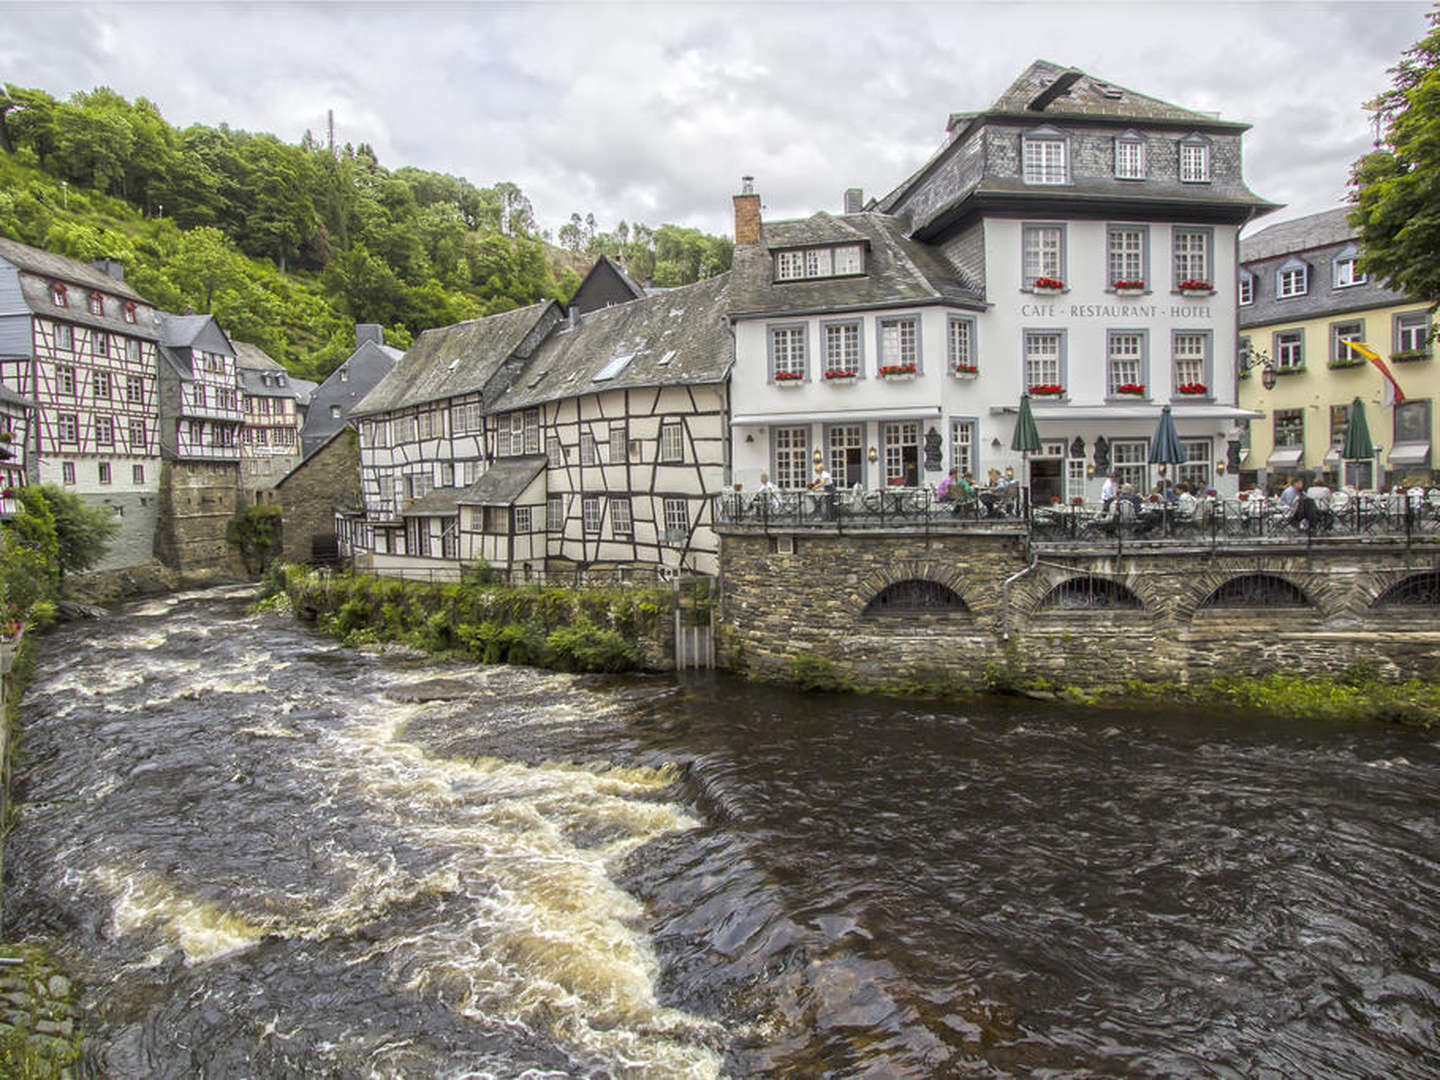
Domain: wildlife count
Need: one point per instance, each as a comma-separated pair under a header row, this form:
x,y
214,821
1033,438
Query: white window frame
x,y
622,522
1414,327
961,354
1289,349
1130,157
1346,330
1292,281
1191,250
618,445
1125,361
1126,254
1347,275
591,514
672,442
589,453
1042,252
897,342
1045,159
1130,460
844,351
1195,162
1043,356
789,344
1190,360
1246,288
554,455
555,513
790,449
104,430
68,428
677,519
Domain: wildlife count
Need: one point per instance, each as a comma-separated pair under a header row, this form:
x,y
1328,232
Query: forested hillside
x,y
291,245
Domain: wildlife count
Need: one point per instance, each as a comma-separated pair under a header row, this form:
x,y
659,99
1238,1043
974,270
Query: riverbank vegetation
x,y
586,629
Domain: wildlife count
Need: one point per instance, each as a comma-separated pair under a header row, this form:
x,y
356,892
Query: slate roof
x,y
452,360
1089,96
899,271
180,334
48,264
252,381
255,358
676,338
503,483
1301,234
442,502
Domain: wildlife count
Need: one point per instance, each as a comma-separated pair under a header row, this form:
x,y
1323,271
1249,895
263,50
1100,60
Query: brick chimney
x,y
747,214
854,200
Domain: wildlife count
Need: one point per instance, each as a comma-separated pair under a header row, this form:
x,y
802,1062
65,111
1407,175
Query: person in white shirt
x,y
1109,491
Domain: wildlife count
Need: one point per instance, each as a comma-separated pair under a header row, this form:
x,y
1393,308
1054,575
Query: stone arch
x,y
1256,590
1090,592
915,596
1323,593
945,574
1418,590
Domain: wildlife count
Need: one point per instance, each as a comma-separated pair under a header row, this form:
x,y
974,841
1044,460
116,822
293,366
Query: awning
x,y
1410,453
1285,457
1151,413
858,416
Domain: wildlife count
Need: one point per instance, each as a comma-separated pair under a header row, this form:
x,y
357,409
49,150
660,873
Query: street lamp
x,y
1250,358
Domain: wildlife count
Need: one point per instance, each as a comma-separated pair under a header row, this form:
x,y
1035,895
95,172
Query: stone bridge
x,y
890,606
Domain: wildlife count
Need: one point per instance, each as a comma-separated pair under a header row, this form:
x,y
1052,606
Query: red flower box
x,y
1127,284
788,376
838,374
1077,501
1193,388
1046,391
897,481
1137,389
967,369
1194,285
898,369
1048,283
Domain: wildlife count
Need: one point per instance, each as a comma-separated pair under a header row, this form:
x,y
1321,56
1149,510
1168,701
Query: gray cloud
x,y
652,112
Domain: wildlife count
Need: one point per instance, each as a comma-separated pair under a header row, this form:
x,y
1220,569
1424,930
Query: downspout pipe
x,y
1005,596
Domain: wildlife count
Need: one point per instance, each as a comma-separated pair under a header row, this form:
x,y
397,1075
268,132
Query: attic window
x,y
97,304
57,295
799,264
1045,155
129,310
1114,93
616,365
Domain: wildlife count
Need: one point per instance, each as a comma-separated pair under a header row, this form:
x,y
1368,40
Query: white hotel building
x,y
1075,241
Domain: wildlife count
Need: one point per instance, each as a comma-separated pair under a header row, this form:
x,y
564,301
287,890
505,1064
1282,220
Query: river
x,y
265,855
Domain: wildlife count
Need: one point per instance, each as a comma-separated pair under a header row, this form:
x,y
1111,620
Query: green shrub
x,y
814,673
255,533
586,647
479,575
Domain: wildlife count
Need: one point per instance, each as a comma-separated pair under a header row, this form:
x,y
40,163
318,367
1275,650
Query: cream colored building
x,y
1302,296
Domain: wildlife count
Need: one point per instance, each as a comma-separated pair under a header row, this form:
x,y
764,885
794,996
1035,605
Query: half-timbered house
x,y
628,407
270,431
423,433
82,345
15,420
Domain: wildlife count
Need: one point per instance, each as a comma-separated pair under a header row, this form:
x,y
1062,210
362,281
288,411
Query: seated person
x,y
948,489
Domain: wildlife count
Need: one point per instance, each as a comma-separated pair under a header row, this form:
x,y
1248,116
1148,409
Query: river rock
x,y
431,690
59,986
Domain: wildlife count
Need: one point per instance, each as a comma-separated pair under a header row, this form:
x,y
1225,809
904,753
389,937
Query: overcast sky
x,y
652,112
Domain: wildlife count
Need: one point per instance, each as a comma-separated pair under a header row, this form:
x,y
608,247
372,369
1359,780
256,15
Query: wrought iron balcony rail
x,y
871,509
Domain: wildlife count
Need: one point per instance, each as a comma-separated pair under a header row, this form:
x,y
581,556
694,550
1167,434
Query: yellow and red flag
x,y
1393,393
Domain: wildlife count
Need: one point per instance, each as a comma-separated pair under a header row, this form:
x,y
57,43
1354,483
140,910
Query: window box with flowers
x,y
841,375
1127,288
1347,362
1130,389
1406,356
1195,287
1046,390
898,372
1047,285
966,371
1193,389
789,378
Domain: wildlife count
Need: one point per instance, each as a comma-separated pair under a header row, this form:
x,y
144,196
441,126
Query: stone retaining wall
x,y
780,605
39,1029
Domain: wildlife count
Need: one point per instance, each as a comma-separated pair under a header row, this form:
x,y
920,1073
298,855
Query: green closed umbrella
x,y
1165,447
1027,436
1358,446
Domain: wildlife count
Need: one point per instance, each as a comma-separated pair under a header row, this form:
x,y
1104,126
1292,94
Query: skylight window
x,y
616,365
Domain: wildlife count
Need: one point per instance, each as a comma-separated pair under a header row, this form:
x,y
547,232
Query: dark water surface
x,y
267,856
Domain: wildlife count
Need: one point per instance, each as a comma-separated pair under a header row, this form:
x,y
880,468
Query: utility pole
x,y
330,127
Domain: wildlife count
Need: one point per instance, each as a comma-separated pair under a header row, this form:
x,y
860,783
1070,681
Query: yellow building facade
x,y
1303,296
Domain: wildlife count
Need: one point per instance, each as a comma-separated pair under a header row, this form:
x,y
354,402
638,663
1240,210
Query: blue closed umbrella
x,y
1165,447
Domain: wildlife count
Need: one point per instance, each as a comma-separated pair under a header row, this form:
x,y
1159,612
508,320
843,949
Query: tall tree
x,y
1397,186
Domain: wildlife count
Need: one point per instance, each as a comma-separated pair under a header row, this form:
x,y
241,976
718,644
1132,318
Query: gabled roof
x,y
48,264
898,271
180,335
253,381
453,360
255,358
504,482
678,337
1302,234
441,502
1049,89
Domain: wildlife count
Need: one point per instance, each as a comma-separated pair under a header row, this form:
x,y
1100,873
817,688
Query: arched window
x,y
1418,590
1090,592
915,596
1257,590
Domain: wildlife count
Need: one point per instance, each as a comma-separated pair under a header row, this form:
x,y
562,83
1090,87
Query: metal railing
x,y
578,577
870,509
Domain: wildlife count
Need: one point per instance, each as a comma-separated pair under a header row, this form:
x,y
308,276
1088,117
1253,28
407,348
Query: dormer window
x,y
1045,157
57,295
97,304
129,311
1247,287
1346,272
1292,279
1195,160
802,264
1129,156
